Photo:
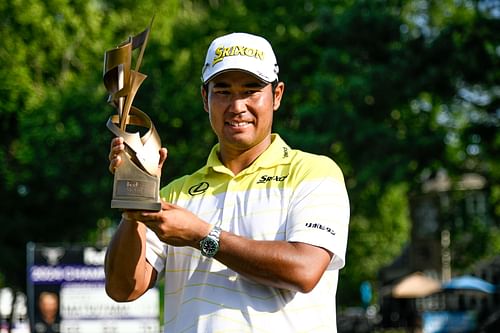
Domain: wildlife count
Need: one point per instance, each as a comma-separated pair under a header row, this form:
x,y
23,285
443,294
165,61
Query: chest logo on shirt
x,y
198,188
266,179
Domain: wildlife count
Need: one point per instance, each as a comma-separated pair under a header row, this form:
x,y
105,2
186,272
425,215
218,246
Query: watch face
x,y
209,247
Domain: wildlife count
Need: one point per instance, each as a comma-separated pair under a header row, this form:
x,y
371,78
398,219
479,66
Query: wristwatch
x,y
210,244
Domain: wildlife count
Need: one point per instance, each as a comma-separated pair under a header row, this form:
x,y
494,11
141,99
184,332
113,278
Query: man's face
x,y
241,108
48,304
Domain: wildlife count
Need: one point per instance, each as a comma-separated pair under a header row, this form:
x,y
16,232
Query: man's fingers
x,y
114,163
116,142
117,146
163,157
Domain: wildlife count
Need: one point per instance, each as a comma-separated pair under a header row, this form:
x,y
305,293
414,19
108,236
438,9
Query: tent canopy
x,y
469,282
416,285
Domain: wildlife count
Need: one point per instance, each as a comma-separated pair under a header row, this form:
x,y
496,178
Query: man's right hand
x,y
118,147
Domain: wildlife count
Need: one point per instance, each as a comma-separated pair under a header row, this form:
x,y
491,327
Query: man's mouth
x,y
238,123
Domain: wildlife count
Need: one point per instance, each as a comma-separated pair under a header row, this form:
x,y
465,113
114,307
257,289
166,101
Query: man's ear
x,y
204,96
278,94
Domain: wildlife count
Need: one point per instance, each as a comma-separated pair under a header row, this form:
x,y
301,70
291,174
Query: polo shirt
x,y
285,194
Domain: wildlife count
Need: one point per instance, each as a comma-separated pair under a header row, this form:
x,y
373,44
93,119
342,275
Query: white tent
x,y
416,285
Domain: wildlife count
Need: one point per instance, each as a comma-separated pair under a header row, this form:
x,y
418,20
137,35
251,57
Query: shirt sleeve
x,y
156,251
319,211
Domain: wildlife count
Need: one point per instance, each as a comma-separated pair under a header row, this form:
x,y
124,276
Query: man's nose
x,y
238,104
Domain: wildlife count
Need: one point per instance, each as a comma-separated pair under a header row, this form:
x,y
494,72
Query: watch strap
x,y
213,239
215,232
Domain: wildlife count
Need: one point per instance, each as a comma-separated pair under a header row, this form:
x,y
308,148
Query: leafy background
x,y
393,90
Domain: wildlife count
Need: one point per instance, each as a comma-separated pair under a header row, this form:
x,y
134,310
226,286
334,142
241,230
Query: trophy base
x,y
135,189
136,205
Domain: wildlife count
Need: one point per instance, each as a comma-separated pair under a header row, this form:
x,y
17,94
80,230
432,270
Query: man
x,y
252,241
48,306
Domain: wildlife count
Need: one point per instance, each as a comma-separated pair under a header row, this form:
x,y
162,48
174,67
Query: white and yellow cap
x,y
240,51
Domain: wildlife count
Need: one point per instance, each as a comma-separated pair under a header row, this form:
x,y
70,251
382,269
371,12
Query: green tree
x,y
55,183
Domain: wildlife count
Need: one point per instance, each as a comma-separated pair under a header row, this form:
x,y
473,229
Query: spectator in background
x,y
48,307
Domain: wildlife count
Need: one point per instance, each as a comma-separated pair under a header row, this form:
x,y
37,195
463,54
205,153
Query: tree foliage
x,y
393,90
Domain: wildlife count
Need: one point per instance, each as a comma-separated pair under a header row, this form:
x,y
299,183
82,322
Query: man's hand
x,y
173,225
118,148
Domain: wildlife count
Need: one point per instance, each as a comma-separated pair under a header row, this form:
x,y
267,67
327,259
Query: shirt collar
x,y
277,153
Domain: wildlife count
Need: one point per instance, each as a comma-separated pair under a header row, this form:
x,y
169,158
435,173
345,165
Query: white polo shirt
x,y
285,194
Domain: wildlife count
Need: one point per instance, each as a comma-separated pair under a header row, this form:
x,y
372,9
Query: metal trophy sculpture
x,y
137,181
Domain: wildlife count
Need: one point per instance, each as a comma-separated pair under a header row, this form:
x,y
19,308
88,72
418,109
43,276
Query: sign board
x,y
66,294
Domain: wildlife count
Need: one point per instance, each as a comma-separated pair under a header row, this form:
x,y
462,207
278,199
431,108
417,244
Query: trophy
x,y
137,181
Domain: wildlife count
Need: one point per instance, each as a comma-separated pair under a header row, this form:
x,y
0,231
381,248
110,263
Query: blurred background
x,y
403,94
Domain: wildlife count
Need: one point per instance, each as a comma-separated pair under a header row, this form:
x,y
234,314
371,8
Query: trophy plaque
x,y
137,181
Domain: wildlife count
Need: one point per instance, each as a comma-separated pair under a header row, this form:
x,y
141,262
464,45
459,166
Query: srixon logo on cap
x,y
237,50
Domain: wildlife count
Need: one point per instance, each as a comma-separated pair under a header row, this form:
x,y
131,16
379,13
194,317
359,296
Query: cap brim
x,y
214,75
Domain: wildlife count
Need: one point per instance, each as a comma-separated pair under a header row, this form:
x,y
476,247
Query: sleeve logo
x,y
320,227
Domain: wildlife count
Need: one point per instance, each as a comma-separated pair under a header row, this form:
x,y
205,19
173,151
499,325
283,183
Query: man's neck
x,y
238,160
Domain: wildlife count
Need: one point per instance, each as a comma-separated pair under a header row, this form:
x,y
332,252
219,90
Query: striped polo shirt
x,y
286,194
